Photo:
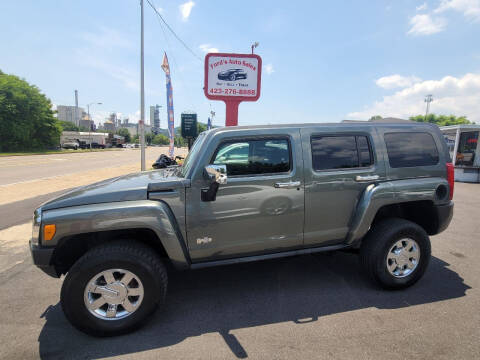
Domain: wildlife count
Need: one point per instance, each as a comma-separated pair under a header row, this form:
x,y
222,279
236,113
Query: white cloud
x,y
469,8
207,48
269,69
451,95
186,9
424,24
396,81
422,7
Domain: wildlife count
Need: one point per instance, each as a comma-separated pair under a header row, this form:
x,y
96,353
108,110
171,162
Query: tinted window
x,y
253,157
340,152
411,149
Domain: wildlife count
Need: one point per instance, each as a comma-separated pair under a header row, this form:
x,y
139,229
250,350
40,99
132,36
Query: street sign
x,y
232,78
189,125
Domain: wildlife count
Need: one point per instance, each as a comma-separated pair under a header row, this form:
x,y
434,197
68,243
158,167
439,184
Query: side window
x,y
254,157
409,149
467,148
340,152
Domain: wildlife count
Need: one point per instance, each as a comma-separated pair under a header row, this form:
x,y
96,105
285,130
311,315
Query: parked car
x,y
232,74
96,145
247,194
71,145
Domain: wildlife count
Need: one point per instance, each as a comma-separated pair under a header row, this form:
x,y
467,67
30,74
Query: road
x,y
15,169
306,307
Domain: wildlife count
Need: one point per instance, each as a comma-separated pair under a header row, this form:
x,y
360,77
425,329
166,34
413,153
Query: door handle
x,y
288,185
361,178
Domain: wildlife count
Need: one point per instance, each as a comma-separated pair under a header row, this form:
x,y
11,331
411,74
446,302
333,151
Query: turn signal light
x,y
49,232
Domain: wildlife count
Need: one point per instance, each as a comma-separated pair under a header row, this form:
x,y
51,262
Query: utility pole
x,y
428,100
142,94
75,121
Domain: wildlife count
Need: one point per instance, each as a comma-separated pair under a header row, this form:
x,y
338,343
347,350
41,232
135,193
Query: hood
x,y
128,187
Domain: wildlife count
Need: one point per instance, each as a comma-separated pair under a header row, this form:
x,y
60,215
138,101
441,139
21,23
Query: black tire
x,y
377,243
134,257
232,77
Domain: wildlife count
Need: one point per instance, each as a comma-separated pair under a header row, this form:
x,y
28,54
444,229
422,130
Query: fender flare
x,y
123,215
378,195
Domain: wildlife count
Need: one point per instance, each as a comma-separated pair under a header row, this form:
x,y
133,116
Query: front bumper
x,y
444,214
42,258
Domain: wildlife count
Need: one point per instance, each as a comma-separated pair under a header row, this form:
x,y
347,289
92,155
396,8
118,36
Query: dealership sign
x,y
232,78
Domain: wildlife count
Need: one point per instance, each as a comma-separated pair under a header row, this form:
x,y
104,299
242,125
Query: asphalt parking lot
x,y
307,307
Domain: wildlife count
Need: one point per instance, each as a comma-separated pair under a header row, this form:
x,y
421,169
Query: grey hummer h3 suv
x,y
246,194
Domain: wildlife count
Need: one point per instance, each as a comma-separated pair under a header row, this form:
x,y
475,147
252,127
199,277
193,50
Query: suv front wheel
x,y
113,288
395,253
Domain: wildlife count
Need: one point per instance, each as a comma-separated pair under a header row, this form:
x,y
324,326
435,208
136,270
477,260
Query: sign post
x,y
232,78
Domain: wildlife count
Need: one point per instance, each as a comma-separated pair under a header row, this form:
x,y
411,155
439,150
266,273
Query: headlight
x,y
37,220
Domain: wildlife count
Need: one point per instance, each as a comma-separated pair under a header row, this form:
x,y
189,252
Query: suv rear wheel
x,y
113,288
395,253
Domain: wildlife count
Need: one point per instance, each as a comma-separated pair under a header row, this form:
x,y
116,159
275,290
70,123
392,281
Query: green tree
x,y
125,133
26,117
375,117
179,141
441,120
68,126
201,127
149,138
160,139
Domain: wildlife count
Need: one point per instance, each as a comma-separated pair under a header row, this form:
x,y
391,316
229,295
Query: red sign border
x,y
233,98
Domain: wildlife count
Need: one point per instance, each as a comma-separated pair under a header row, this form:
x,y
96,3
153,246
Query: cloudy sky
x,y
323,60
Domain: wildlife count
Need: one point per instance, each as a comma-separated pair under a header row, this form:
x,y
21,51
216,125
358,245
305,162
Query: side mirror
x,y
217,173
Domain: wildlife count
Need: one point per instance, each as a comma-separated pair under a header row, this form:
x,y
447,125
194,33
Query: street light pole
x,y
254,45
142,94
428,100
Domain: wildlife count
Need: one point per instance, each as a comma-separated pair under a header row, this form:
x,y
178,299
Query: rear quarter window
x,y
409,149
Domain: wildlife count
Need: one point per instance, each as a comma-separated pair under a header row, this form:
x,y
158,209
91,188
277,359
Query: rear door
x,y
340,162
260,209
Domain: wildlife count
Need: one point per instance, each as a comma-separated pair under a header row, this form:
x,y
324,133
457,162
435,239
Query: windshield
x,y
192,154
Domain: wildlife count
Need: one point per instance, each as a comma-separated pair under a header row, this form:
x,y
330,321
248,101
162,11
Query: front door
x,y
260,209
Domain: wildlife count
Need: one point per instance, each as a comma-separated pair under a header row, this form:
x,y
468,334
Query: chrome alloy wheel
x,y
403,257
113,294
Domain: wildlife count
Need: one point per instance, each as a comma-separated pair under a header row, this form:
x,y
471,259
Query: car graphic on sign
x,y
232,74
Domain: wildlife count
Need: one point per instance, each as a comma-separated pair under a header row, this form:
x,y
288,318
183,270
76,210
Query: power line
x,y
184,84
173,32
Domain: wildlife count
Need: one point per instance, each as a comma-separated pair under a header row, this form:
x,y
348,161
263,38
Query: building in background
x,y
86,124
113,119
155,118
108,125
67,113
